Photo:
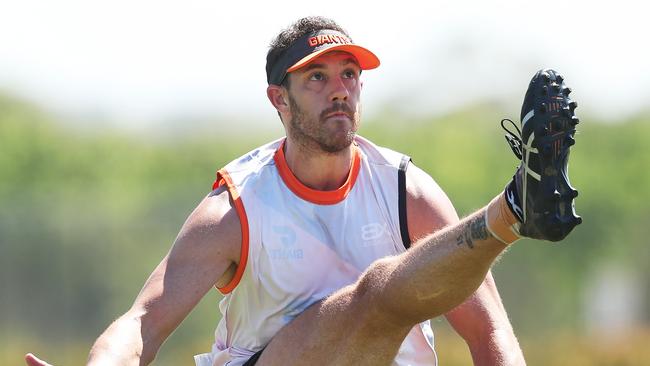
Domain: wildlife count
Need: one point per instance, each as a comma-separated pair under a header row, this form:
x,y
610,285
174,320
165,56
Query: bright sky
x,y
145,60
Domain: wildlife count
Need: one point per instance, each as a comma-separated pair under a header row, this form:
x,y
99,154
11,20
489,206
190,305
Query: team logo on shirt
x,y
287,237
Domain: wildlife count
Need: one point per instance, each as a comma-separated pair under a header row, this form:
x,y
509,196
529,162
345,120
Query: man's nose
x,y
340,91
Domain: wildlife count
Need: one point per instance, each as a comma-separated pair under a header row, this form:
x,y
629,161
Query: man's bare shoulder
x,y
428,209
213,228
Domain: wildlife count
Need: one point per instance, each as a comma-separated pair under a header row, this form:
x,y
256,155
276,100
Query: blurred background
x,y
114,116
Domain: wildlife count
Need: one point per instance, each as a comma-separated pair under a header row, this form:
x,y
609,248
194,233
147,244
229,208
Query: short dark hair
x,y
296,30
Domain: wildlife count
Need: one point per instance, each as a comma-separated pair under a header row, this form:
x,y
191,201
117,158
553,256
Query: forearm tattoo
x,y
475,229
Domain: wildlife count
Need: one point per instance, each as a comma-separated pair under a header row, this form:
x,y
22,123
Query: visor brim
x,y
366,59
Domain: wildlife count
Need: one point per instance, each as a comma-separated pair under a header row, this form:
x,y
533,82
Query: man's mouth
x,y
338,115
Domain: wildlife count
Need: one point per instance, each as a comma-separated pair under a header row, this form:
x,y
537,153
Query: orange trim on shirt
x,y
313,195
224,178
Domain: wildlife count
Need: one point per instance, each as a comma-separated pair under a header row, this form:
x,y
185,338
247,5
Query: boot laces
x,y
514,140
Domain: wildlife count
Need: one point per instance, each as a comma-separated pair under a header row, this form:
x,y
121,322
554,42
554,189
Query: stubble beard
x,y
312,133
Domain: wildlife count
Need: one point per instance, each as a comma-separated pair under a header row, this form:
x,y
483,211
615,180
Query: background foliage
x,y
85,217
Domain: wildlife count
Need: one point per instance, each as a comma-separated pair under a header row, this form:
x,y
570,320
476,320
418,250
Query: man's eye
x,y
349,74
317,76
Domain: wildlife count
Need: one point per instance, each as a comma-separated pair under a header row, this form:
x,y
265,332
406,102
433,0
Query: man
x,y
329,250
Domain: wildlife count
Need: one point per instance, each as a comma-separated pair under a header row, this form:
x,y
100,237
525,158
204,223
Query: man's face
x,y
324,102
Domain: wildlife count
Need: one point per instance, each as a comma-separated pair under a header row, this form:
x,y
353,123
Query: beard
x,y
327,136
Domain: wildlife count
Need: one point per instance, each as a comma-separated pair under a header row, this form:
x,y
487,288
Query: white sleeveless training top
x,y
300,245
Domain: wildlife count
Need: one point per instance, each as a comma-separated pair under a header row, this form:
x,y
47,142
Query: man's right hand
x,y
32,360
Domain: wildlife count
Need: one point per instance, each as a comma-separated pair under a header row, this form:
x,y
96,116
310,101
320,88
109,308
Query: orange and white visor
x,y
308,47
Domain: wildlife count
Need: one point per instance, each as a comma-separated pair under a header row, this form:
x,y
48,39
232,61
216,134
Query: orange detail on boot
x,y
501,222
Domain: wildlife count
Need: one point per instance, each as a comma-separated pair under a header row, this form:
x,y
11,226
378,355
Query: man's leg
x,y
365,323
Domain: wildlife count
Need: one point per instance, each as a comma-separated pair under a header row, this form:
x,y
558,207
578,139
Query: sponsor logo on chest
x,y
374,233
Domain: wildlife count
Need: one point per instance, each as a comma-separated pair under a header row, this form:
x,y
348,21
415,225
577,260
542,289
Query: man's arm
x,y
205,253
481,320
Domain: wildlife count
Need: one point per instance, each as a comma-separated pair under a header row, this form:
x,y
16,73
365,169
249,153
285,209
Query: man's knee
x,y
376,293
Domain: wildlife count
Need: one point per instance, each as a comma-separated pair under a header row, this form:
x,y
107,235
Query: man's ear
x,y
276,95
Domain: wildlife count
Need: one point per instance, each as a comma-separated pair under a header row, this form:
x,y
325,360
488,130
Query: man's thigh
x,y
343,329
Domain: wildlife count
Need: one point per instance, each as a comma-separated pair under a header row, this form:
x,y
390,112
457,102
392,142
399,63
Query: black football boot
x,y
540,193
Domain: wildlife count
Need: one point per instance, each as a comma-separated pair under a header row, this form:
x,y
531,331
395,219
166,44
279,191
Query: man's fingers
x,y
32,360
